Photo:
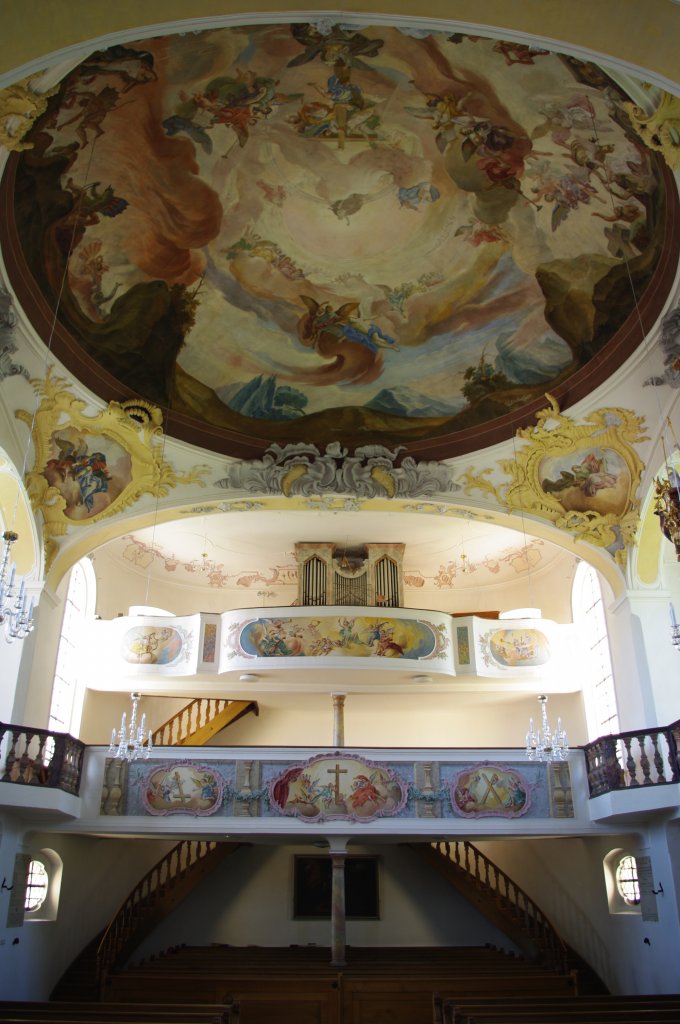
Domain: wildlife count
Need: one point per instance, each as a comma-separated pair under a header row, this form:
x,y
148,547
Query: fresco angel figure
x,y
343,322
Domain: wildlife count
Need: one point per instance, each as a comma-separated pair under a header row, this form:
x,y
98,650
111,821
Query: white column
x,y
645,663
338,719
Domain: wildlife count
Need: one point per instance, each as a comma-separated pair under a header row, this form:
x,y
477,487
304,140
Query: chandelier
x,y
667,507
542,743
14,613
127,744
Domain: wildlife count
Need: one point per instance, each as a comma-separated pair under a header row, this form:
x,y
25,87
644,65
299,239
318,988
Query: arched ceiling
x,y
253,554
318,232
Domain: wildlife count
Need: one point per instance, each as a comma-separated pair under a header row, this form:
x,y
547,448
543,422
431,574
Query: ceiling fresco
x,y
295,232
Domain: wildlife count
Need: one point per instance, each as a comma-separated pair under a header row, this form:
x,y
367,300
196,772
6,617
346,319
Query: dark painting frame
x,y
312,888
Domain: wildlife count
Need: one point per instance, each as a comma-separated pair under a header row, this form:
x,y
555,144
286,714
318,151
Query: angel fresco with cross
x,y
490,790
337,786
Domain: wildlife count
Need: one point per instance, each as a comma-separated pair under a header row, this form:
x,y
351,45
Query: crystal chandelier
x,y
667,507
131,743
542,743
14,613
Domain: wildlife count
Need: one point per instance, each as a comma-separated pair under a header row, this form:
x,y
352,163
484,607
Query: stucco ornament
x,y
369,472
90,467
8,368
20,105
659,130
582,477
670,347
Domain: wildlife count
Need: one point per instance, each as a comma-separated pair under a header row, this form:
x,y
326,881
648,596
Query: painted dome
x,y
280,232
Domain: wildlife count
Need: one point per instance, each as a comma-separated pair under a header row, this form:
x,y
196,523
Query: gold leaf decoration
x,y
659,130
581,477
91,467
20,107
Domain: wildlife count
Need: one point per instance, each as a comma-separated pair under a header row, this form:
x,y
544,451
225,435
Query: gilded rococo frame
x,y
62,433
608,516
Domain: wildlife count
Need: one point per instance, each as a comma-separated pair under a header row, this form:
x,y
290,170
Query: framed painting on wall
x,y
312,887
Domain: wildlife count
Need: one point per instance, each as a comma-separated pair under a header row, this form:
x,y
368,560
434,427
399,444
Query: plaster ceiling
x,y
255,551
321,232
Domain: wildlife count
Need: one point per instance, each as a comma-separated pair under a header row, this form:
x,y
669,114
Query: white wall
x,y
404,720
566,879
98,874
371,719
36,696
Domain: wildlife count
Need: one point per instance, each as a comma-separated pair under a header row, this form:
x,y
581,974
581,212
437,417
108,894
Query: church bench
x,y
226,989
553,1010
578,1015
216,987
45,1016
369,968
116,1013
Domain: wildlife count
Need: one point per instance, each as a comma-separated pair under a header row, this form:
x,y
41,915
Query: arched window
x,y
598,686
43,885
69,675
36,885
627,881
621,879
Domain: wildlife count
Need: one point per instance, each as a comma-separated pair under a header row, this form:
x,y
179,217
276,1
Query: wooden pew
x,y
598,1009
298,983
117,1013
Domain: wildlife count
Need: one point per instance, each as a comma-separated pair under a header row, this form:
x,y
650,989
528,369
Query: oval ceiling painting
x,y
303,232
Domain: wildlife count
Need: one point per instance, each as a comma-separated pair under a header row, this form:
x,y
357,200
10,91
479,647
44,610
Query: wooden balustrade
x,y
145,902
198,720
37,757
628,760
510,897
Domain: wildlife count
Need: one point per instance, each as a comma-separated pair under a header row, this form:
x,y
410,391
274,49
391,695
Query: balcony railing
x,y
630,760
36,757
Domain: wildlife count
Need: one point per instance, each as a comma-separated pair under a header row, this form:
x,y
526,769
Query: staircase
x,y
198,721
501,901
509,908
155,896
158,893
175,875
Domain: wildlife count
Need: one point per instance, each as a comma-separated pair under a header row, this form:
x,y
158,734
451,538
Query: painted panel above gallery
x,y
314,649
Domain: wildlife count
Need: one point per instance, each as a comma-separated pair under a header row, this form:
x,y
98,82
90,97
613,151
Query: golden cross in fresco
x,y
337,771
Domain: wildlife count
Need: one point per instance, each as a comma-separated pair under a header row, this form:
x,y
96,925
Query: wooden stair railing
x,y
158,893
197,722
501,900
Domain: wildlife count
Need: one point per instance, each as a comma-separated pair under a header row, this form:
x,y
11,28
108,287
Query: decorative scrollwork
x,y
369,472
8,368
659,130
88,468
581,477
20,107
